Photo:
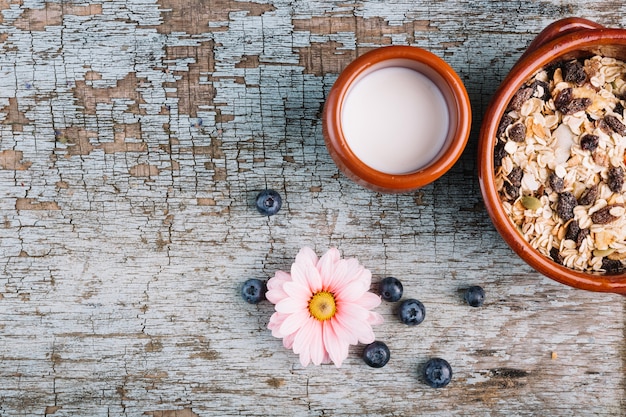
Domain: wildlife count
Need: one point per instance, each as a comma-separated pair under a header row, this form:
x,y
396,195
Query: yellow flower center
x,y
322,305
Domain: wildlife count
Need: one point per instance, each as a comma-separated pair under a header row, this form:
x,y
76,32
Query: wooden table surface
x,y
134,136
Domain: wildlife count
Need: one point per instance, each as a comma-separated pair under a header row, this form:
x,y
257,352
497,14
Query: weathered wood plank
x,y
134,136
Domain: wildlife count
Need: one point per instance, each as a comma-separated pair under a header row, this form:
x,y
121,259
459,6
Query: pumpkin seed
x,y
530,202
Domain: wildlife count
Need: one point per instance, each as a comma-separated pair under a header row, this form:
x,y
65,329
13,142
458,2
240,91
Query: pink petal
x,y
314,279
336,346
275,296
276,320
306,256
294,322
339,277
298,291
291,305
341,326
354,268
288,340
316,346
298,274
367,336
278,280
275,291
364,276
352,310
355,318
326,264
305,359
304,335
368,300
351,292
304,339
375,318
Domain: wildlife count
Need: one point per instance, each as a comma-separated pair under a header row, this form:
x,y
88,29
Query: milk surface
x,y
395,120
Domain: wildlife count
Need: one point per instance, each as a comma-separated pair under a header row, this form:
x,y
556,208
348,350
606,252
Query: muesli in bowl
x,y
559,163
551,156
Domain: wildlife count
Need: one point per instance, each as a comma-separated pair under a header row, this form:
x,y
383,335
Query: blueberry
x,y
437,372
411,312
376,354
268,202
253,290
390,289
475,296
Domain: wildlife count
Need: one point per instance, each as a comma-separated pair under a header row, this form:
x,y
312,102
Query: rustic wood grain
x,y
134,136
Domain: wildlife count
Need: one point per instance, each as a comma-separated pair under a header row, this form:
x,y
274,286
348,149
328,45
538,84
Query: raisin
x,y
581,236
574,72
619,109
498,153
556,256
517,132
504,123
589,142
576,105
567,104
603,216
616,179
565,205
612,266
589,196
515,177
573,229
511,192
603,126
541,90
520,97
563,97
556,183
615,125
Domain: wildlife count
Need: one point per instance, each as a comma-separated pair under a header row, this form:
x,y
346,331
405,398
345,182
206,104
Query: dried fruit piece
x,y
556,256
563,97
589,196
573,229
515,176
504,123
511,192
498,153
604,216
619,109
581,236
616,179
556,183
574,72
565,205
541,90
567,104
517,132
615,124
576,105
523,94
589,142
612,266
531,203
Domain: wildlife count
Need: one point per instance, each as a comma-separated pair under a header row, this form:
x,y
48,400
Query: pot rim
x,y
364,174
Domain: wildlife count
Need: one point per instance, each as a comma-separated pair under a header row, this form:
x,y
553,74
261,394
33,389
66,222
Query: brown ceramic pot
x,y
445,79
562,40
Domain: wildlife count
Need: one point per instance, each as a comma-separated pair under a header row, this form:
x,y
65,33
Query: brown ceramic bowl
x,y
562,40
457,103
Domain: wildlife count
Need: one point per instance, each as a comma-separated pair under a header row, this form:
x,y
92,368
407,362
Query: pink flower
x,y
323,306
